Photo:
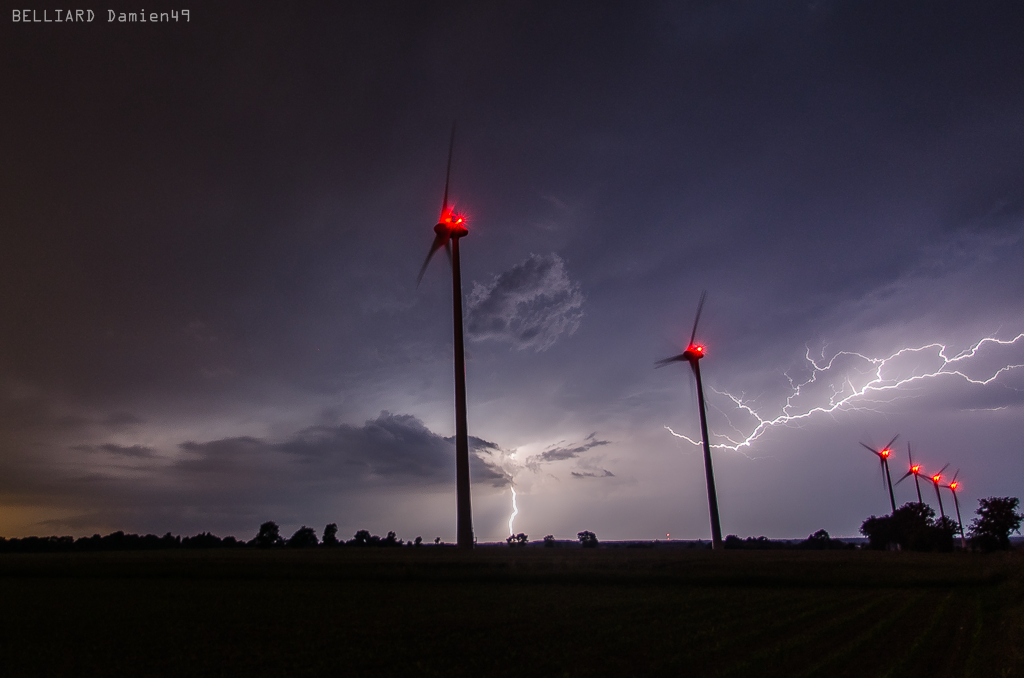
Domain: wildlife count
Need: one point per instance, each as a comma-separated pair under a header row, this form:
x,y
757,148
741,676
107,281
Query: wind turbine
x,y
883,456
693,353
935,481
449,229
952,488
915,470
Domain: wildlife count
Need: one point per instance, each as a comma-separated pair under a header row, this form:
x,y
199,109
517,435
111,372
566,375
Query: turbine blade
x,y
889,446
954,477
909,454
942,470
666,361
700,307
439,242
871,449
905,476
448,174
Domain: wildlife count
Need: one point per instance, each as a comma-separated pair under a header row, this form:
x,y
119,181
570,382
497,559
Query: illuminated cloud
x,y
529,306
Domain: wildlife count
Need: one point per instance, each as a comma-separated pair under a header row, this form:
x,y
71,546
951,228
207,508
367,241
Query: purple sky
x,y
212,230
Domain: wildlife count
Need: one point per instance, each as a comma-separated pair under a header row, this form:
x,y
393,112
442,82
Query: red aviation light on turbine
x,y
454,223
915,469
953,485
693,352
885,453
936,478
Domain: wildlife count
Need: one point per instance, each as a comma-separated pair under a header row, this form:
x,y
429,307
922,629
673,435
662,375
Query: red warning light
x,y
886,452
953,485
915,469
935,479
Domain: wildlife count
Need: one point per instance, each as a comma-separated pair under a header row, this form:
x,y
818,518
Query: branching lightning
x,y
883,380
515,512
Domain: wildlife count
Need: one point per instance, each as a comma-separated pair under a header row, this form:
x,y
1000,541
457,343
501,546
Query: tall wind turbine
x,y
915,470
883,456
953,485
693,353
449,229
935,481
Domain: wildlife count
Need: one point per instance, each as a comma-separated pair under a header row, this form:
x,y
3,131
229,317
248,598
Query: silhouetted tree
x,y
418,542
391,540
304,538
330,535
819,541
517,539
437,541
203,540
879,531
549,541
364,538
912,527
269,535
587,538
997,518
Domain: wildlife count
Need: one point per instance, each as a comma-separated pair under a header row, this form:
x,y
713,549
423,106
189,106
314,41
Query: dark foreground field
x,y
504,611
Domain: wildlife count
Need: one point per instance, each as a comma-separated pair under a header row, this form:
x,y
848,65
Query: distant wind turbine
x,y
693,353
883,455
953,485
935,481
449,229
915,470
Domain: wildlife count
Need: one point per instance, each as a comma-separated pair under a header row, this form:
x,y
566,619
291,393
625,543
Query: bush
x,y
517,539
587,538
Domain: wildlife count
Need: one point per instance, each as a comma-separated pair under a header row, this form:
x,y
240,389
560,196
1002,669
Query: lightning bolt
x,y
515,512
882,380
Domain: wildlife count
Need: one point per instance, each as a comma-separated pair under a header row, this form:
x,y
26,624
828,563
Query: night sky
x,y
211,232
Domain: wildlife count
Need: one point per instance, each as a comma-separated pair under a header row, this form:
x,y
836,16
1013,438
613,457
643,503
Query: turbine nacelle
x,y
693,353
452,225
935,478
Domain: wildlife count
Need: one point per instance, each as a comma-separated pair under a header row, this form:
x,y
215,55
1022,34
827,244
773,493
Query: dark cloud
x,y
590,474
569,452
529,306
391,450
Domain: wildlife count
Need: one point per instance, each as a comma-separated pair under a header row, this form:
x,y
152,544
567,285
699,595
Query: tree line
x,y
268,536
913,527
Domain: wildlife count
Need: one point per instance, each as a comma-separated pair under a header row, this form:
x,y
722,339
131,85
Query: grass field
x,y
501,611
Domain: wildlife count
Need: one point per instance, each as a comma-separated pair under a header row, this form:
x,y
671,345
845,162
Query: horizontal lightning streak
x,y
849,397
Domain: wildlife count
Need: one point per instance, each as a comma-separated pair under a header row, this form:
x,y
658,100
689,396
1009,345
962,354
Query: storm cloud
x,y
530,305
561,452
392,450
209,282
